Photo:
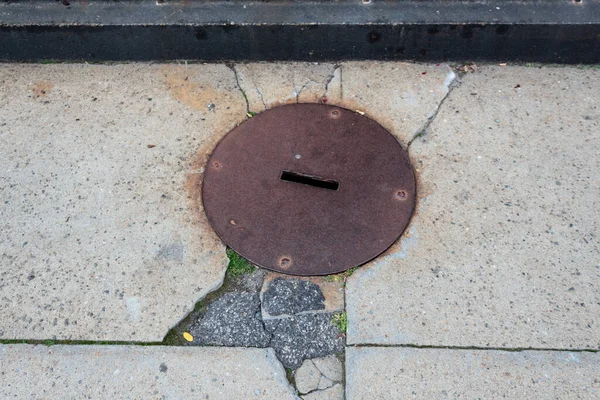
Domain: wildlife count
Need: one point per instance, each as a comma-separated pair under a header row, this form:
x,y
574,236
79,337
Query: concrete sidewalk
x,y
493,290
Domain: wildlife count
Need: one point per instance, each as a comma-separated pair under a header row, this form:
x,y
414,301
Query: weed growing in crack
x,y
340,321
341,277
289,374
238,265
249,113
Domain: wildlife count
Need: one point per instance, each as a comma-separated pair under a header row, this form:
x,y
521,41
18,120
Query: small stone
x,y
335,392
291,296
307,377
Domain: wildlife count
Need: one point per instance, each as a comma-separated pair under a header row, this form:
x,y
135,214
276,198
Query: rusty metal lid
x,y
309,189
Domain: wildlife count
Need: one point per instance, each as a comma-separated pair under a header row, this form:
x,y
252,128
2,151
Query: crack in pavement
x,y
262,99
454,83
330,77
231,66
478,348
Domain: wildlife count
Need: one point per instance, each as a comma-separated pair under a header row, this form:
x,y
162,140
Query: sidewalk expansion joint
x,y
478,348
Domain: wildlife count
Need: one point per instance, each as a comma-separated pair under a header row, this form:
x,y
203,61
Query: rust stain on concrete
x,y
41,88
180,82
193,184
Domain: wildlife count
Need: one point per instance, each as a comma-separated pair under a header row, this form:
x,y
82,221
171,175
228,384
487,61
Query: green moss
x,y
340,321
238,265
289,374
174,338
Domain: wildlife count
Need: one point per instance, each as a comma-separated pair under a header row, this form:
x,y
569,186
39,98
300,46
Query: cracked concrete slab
x,y
397,373
399,96
141,372
102,234
307,377
267,85
330,367
502,250
336,392
318,374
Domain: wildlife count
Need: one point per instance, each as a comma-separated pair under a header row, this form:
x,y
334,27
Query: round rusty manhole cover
x,y
309,189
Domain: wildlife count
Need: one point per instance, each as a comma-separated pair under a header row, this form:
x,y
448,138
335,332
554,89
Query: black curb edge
x,y
551,31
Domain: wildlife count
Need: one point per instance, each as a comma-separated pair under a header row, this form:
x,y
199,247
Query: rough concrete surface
x,y
401,373
331,289
292,296
102,236
503,248
136,372
232,320
304,336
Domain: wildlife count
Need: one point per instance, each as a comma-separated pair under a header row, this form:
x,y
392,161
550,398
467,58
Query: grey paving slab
x,y
503,248
399,373
136,372
102,235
